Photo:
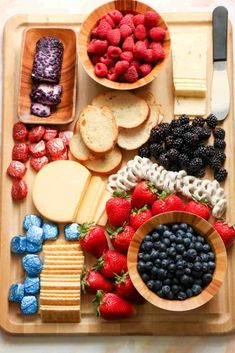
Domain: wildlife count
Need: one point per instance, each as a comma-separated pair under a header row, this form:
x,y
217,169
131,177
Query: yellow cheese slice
x,y
190,91
190,105
59,188
101,216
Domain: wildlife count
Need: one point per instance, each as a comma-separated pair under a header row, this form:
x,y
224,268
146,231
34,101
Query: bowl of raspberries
x,y
177,261
124,45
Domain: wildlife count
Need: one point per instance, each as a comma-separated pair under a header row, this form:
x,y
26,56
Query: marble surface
x,y
127,344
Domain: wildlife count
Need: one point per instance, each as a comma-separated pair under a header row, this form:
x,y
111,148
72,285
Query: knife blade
x,y
220,93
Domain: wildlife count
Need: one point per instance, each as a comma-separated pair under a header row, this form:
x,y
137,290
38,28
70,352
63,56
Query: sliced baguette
x,y
98,128
129,110
78,148
107,164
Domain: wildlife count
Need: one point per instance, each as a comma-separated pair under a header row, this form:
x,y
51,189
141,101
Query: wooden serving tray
x,y
218,315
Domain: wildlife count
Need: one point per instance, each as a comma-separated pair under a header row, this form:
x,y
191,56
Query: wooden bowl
x,y
203,228
65,111
90,22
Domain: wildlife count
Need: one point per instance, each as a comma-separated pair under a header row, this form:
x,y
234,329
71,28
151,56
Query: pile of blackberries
x,y
175,262
182,144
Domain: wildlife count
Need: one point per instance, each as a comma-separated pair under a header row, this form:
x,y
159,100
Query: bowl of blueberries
x,y
177,261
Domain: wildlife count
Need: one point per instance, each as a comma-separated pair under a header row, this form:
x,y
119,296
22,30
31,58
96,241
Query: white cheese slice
x,y
190,105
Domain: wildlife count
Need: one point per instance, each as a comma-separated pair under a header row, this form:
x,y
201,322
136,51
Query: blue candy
x,y
18,244
32,264
16,292
33,248
29,305
31,285
34,237
50,231
31,220
72,231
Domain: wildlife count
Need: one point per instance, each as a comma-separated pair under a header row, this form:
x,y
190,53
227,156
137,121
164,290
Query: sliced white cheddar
x,y
190,105
101,216
59,189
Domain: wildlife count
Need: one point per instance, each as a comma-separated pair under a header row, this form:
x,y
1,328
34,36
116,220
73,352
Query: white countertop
x,y
134,344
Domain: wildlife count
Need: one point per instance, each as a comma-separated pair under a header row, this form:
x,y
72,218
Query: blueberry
x,y
211,265
191,254
170,295
171,252
167,234
142,247
165,263
156,236
196,289
160,228
162,255
187,271
162,247
151,284
211,256
167,282
198,246
175,288
179,240
180,248
180,265
166,241
188,235
172,238
161,274
157,245
198,281
171,267
190,265
197,266
206,248
190,230
175,227
183,226
166,289
148,266
179,273
175,280
178,257
181,296
154,255
204,266
146,257
157,262
160,294
141,267
206,278
158,285
197,274
187,242
154,272
180,233
200,239
204,257
189,292
148,238
148,245
145,277
140,256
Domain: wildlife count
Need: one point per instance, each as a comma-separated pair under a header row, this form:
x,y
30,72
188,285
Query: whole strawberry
x,y
111,263
125,289
198,208
144,194
159,206
93,280
121,238
139,216
118,209
110,306
174,203
93,239
226,232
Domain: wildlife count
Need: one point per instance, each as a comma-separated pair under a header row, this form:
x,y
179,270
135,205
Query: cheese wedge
x,y
101,216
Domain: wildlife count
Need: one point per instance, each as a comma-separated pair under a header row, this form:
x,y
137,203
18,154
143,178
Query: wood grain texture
x,y
84,37
215,317
203,228
65,111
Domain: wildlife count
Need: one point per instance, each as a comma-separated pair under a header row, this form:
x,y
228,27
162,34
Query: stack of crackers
x,y
61,282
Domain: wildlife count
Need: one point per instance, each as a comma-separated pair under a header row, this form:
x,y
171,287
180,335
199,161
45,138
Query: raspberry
x,y
138,19
100,46
39,163
121,67
111,74
125,30
102,30
94,32
157,34
105,59
50,134
20,152
131,74
55,147
116,16
96,59
16,169
19,189
114,52
158,52
20,132
101,70
126,55
127,20
114,36
91,46
38,149
36,133
128,44
61,157
149,57
151,18
66,136
108,18
140,32
136,64
139,50
146,42
145,69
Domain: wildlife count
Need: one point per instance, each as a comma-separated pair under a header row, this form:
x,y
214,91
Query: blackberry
x,y
211,121
221,174
173,154
165,127
187,150
215,163
188,128
195,164
169,141
200,152
178,143
184,119
156,149
218,143
198,121
144,151
205,133
219,133
157,134
178,131
210,151
164,160
174,123
221,155
200,173
200,131
190,138
184,160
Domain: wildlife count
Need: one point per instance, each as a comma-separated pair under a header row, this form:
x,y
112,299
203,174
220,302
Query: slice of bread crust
x,y
98,128
107,164
78,148
129,110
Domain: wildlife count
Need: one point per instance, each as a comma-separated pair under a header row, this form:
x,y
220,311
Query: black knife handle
x,y
220,29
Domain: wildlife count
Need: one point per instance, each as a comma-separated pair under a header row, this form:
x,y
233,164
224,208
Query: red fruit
x,y
110,306
50,134
198,209
131,74
94,32
157,34
116,16
55,147
20,152
38,163
93,239
16,169
114,36
174,203
128,44
138,217
121,238
93,280
100,46
108,18
105,59
158,51
144,194
145,69
151,19
101,70
125,289
111,263
159,206
38,149
121,67
140,32
114,52
126,55
36,134
66,136
118,209
138,19
226,232
146,42
111,74
61,157
140,50
149,57
127,20
125,30
136,64
102,29
19,189
20,132
91,46
95,59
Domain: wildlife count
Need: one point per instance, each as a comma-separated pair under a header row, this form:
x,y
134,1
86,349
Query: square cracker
x,y
61,301
60,313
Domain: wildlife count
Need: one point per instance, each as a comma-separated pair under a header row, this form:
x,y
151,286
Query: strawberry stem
x,y
163,195
99,265
98,300
121,193
121,279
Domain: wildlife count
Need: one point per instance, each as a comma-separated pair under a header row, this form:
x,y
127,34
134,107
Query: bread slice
x,y
78,148
107,164
130,139
129,110
98,128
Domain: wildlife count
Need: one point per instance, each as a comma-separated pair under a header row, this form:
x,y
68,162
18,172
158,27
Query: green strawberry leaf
x,y
121,193
152,187
98,300
121,279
